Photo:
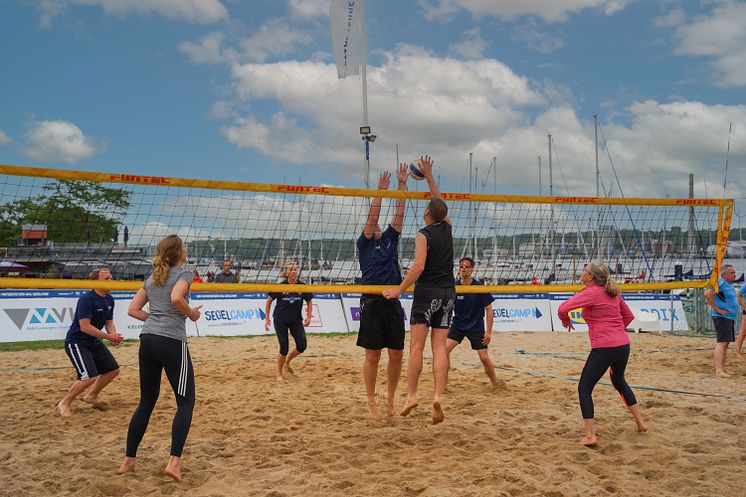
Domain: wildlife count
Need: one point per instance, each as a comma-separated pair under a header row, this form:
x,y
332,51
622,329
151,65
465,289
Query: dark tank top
x,y
438,272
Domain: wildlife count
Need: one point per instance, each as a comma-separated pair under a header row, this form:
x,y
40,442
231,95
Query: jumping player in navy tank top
x,y
381,319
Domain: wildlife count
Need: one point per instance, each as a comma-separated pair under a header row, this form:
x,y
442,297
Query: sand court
x,y
310,435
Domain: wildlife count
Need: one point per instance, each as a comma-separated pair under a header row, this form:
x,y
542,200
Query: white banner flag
x,y
344,18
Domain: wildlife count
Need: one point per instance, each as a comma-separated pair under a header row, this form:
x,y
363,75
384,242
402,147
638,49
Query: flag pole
x,y
365,129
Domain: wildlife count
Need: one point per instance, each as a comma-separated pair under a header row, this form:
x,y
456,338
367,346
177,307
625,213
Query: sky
x,y
247,90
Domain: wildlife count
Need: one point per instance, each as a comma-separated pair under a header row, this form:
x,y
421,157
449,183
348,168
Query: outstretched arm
x,y
398,222
427,170
375,206
415,270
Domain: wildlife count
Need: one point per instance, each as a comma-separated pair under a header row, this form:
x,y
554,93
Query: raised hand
x,y
426,165
384,180
403,173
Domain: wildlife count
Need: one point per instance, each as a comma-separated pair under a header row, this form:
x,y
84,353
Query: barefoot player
x,y
93,362
434,295
381,319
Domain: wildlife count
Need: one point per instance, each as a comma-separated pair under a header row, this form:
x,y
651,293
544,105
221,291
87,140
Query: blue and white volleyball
x,y
415,170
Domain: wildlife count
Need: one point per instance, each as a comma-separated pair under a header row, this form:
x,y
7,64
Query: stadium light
x,y
364,130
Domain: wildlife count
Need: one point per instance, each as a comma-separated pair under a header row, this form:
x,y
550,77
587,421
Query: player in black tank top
x,y
434,295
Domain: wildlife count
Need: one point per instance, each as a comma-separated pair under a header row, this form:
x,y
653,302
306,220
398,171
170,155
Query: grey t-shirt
x,y
221,277
165,319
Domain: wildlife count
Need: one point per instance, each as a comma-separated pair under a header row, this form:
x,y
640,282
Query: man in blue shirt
x,y
468,319
91,359
725,307
381,320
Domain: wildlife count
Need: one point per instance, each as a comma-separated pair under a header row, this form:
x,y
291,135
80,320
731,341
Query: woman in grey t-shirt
x,y
163,345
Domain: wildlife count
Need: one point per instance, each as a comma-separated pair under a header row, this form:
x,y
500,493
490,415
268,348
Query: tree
x,y
72,210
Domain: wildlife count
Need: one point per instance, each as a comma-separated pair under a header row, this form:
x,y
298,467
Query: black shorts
x,y
381,323
725,329
475,337
90,361
433,307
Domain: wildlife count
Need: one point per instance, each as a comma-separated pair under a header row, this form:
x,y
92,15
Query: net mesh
x,y
57,224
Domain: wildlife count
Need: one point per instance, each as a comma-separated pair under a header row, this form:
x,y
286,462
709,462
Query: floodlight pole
x,y
364,78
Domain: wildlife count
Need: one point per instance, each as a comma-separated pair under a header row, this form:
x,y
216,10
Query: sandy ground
x,y
310,435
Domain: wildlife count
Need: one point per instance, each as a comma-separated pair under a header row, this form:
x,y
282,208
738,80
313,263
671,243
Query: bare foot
x,y
438,415
128,466
740,355
289,369
390,406
642,427
97,404
589,440
411,404
722,374
499,385
279,377
64,409
173,472
373,410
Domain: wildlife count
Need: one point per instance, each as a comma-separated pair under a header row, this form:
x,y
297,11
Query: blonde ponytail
x,y
167,255
602,277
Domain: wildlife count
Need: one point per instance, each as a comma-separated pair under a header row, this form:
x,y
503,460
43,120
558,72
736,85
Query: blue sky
x,y
247,90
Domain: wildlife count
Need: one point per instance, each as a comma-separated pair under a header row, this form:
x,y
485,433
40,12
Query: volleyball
x,y
415,170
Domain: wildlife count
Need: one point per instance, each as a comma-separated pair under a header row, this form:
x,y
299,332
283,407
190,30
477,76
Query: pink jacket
x,y
607,317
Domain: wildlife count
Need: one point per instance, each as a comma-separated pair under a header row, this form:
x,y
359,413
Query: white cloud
x,y
275,38
672,19
548,10
472,46
423,102
721,37
195,11
59,141
207,51
308,9
541,41
4,138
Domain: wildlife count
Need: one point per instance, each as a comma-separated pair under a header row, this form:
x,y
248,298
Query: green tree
x,y
73,211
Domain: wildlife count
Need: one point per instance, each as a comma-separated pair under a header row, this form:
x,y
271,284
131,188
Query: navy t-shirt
x,y
468,314
96,308
288,306
379,259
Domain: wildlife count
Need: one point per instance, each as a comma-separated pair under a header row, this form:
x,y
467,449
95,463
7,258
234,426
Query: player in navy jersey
x,y
468,319
381,319
434,295
93,362
287,318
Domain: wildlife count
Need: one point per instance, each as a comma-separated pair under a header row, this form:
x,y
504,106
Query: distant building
x,y
34,235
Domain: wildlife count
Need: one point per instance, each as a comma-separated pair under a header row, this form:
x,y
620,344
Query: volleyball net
x,y
57,225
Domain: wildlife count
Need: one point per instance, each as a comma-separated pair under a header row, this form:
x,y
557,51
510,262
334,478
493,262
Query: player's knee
x,y
301,347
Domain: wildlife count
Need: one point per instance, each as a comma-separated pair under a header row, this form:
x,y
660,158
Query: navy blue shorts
x,y
475,337
90,361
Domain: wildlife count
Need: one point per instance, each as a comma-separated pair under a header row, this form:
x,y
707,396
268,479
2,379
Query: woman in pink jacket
x,y
607,316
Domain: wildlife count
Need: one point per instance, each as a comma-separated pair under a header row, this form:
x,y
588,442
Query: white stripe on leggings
x,y
181,390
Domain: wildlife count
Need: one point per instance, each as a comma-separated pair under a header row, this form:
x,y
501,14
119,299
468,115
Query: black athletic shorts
x,y
475,337
433,307
381,323
725,329
90,361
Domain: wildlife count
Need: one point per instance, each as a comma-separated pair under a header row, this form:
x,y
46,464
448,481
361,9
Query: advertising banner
x,y
521,312
657,304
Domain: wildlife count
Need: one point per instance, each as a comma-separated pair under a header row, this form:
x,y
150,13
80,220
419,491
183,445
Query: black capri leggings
x,y
599,360
156,354
299,335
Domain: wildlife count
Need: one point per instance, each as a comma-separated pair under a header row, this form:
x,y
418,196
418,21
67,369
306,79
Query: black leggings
x,y
599,360
299,335
156,354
